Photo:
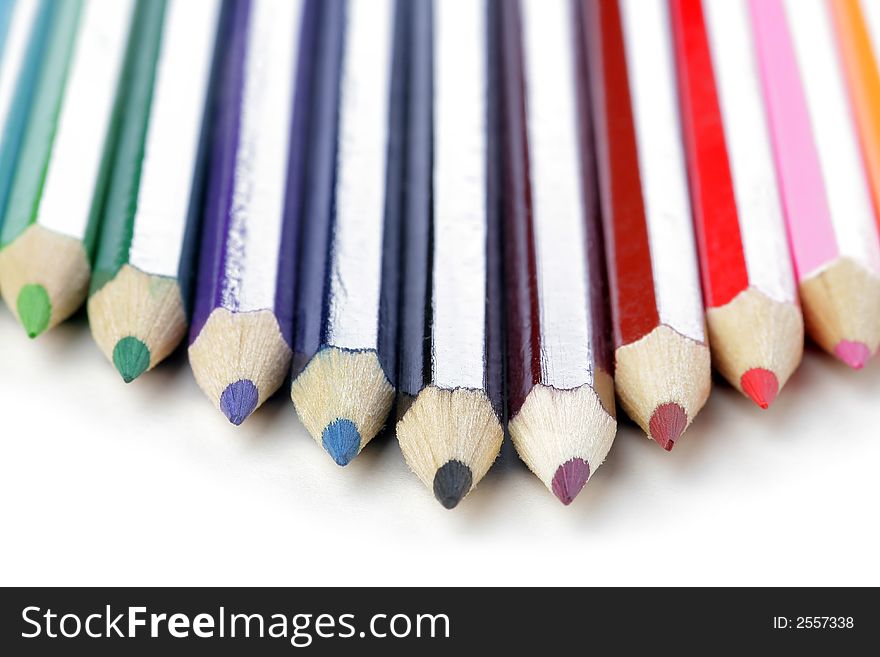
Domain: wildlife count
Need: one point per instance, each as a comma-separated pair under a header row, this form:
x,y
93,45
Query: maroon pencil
x,y
561,391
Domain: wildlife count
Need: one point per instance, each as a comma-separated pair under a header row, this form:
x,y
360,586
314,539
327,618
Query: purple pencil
x,y
240,340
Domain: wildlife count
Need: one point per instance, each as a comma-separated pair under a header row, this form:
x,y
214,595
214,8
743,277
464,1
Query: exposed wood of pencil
x,y
558,427
138,305
343,387
683,387
233,347
754,334
45,276
450,426
842,309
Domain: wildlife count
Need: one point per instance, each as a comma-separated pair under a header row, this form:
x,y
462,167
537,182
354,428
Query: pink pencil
x,y
830,220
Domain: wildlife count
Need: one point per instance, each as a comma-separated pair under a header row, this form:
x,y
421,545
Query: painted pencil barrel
x,y
858,32
416,226
831,227
23,41
240,338
754,321
451,433
561,404
320,181
54,209
345,392
662,368
143,266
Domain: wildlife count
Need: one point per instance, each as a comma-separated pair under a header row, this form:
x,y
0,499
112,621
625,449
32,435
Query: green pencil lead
x,y
34,309
131,358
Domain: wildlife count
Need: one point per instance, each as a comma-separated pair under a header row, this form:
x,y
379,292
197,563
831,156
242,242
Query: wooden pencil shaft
x,y
648,47
21,22
554,327
36,146
113,250
314,236
416,224
169,194
88,122
356,240
833,130
254,198
22,49
458,333
747,138
256,213
646,213
858,38
345,390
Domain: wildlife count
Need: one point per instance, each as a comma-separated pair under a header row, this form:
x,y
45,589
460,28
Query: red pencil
x,y
755,324
662,367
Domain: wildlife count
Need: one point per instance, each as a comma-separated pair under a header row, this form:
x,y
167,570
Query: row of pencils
x,y
495,213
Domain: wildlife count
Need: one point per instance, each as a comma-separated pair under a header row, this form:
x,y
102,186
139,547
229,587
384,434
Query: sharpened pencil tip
x,y
853,353
569,479
451,483
668,422
239,400
342,441
34,309
131,358
760,385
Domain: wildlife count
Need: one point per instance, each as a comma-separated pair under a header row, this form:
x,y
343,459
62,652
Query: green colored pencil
x,y
143,268
55,206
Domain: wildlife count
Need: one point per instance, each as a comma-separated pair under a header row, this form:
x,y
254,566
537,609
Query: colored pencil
x,y
858,31
144,263
662,365
415,280
314,238
451,432
346,389
23,30
560,385
831,227
755,324
48,236
241,327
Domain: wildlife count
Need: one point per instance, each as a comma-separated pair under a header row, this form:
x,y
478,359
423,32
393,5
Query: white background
x,y
147,484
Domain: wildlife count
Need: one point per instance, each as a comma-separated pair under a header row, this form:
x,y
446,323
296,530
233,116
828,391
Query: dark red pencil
x,y
561,391
662,368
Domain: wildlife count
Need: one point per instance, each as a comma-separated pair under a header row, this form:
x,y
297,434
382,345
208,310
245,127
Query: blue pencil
x,y
346,386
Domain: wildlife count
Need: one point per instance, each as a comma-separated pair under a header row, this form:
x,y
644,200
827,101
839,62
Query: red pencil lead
x,y
667,423
760,385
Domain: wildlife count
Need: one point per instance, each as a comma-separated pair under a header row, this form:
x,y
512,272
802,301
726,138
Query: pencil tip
x,y
668,422
569,479
853,353
451,483
34,309
239,400
131,358
342,441
760,385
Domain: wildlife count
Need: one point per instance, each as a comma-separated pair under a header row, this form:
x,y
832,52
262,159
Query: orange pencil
x,y
858,31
